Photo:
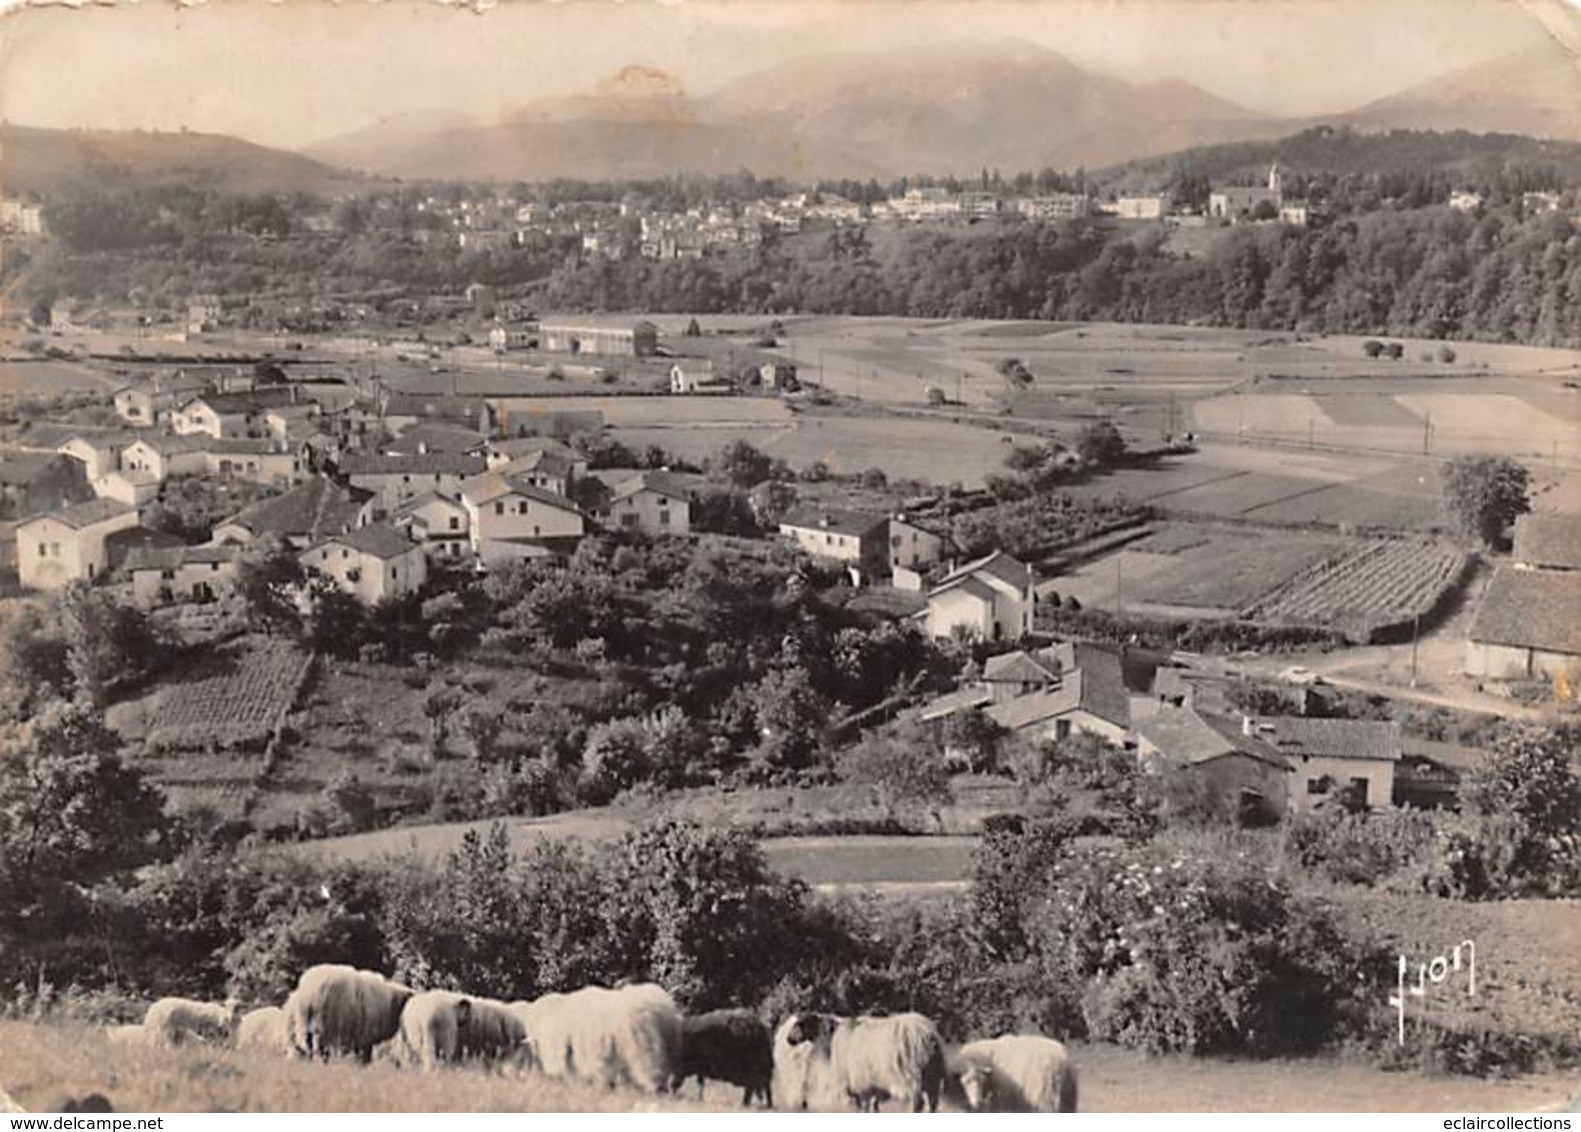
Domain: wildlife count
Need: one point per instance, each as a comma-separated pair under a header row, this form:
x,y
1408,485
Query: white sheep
x,y
178,1021
1017,1073
431,1024
131,1035
265,1029
337,1009
627,1036
493,1034
866,1060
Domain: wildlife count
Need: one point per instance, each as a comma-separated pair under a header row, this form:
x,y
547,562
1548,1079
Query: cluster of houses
x,y
372,492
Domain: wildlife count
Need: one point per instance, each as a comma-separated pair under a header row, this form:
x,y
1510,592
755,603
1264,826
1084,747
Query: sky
x,y
290,72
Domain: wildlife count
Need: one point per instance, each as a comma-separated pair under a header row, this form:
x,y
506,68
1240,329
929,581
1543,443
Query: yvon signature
x,y
1434,972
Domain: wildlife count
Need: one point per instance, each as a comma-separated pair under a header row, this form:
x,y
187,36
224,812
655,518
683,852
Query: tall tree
x,y
1485,494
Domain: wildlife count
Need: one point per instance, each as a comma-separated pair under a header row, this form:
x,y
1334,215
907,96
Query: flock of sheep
x,y
634,1037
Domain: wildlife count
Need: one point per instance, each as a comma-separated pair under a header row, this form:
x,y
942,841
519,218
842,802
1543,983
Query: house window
x,y
628,519
521,508
344,553
499,508
1360,787
455,523
1062,729
168,575
406,479
1317,786
664,518
43,550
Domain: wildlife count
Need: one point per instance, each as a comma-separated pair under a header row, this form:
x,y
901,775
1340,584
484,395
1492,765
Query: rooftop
x,y
1300,735
170,557
86,514
841,522
1548,540
437,436
1530,609
310,510
493,485
661,483
1191,737
998,565
416,464
378,540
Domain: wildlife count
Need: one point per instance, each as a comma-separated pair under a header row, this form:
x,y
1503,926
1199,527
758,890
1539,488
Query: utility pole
x,y
1119,584
1427,428
1310,421
1416,632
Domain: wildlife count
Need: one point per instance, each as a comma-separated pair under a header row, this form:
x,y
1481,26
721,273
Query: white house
x,y
66,546
438,523
261,461
135,488
150,403
99,453
1151,207
230,415
692,375
507,518
373,563
163,456
1330,754
912,550
652,502
991,598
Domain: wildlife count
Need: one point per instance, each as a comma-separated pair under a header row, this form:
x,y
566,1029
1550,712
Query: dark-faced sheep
x,y
867,1060
442,1027
1016,1073
728,1045
627,1036
340,1010
180,1021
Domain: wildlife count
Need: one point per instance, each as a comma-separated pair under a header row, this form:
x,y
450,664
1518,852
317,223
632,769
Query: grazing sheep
x,y
337,1009
1017,1073
431,1025
630,1036
728,1045
493,1034
871,1060
178,1021
267,1029
132,1035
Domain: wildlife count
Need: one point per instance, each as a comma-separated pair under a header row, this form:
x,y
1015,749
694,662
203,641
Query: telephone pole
x,y
1427,429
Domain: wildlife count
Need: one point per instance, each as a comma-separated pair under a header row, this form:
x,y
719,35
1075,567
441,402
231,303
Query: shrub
x,y
1358,848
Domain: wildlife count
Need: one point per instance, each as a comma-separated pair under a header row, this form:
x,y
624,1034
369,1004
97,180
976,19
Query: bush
x,y
1358,848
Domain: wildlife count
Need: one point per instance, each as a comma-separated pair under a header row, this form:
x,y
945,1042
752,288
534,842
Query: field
x,y
46,1064
1195,569
46,379
1383,582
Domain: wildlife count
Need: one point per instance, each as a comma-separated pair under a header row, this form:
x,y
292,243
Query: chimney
x,y
422,447
1248,725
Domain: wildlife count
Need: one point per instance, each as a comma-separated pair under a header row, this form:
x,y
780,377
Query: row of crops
x,y
1382,583
240,697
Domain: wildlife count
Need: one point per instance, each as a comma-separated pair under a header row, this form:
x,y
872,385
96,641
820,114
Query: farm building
x,y
1232,202
653,502
625,339
779,375
372,563
1528,626
913,548
307,513
168,575
991,598
1326,754
503,338
693,375
68,545
1547,542
853,538
1245,774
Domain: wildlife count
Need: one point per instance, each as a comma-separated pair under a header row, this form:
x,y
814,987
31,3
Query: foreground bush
x,y
1358,848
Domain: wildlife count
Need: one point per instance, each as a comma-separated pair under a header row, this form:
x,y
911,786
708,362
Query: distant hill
x,y
43,161
955,109
1536,92
1465,156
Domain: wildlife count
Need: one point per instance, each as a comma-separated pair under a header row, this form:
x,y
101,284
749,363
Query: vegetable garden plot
x,y
1381,583
236,700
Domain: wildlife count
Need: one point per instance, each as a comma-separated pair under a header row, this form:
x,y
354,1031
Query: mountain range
x,y
958,109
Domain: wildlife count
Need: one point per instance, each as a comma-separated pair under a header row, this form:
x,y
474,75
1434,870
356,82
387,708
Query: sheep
x,y
7,1105
870,1060
1017,1073
631,1035
132,1035
337,1009
177,1021
431,1025
493,1033
728,1045
265,1029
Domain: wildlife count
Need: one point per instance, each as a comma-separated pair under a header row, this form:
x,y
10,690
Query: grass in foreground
x,y
43,1064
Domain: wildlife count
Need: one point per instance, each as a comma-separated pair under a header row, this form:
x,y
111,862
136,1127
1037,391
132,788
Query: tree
x,y
741,464
1265,210
1485,494
440,702
904,768
724,512
1100,444
590,493
1015,373
791,716
70,810
481,724
773,500
1372,347
1395,350
1446,354
692,330
268,579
